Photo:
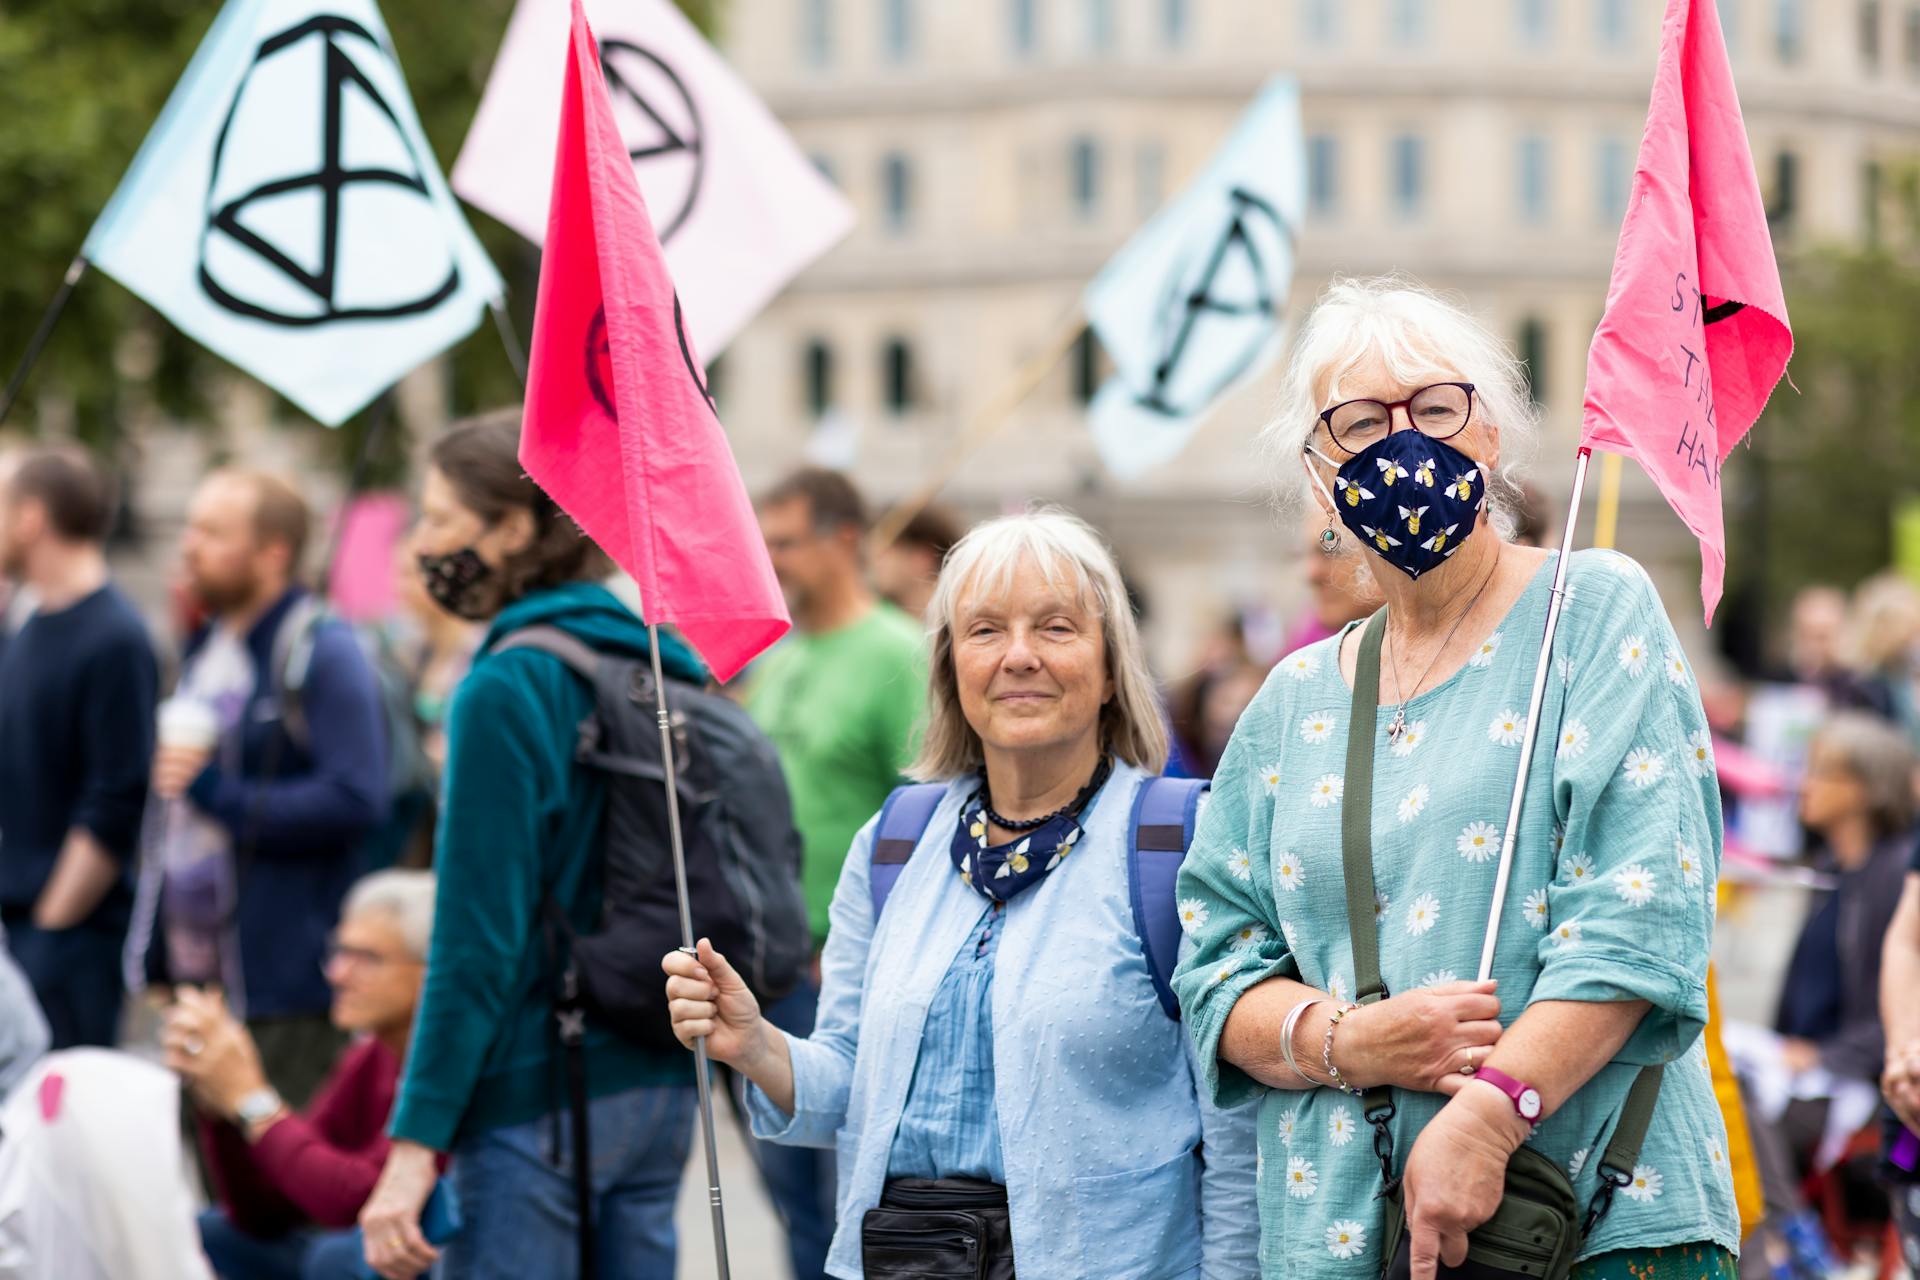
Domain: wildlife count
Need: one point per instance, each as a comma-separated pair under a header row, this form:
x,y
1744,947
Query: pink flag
x,y
619,427
1695,333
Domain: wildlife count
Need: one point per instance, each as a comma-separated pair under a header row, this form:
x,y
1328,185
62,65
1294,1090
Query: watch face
x,y
1529,1104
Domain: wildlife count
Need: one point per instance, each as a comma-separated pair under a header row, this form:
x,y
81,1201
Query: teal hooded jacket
x,y
518,818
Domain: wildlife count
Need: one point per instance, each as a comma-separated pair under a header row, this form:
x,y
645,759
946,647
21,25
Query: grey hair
x,y
1882,759
1418,335
1072,556
404,896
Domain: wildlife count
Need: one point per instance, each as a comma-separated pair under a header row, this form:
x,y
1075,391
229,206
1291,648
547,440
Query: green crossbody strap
x,y
1623,1149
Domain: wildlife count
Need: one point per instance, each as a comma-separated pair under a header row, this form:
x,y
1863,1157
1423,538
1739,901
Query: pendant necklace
x,y
1398,728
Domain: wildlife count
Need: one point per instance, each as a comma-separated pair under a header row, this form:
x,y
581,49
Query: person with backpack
x,y
521,826
998,1060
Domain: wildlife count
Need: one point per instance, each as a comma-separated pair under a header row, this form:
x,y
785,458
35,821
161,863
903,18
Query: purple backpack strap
x,y
903,820
1164,810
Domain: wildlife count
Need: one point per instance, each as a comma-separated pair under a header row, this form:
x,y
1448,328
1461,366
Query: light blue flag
x,y
287,212
1192,306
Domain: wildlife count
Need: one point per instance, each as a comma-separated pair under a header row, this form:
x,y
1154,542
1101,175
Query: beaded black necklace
x,y
1072,808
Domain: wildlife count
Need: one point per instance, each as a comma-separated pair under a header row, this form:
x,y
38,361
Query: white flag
x,y
1191,307
738,209
287,212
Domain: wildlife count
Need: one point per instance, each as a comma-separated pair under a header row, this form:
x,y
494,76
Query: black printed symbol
x,y
1231,287
599,358
272,250
662,128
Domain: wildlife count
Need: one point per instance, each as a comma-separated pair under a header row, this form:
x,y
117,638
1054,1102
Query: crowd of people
x,y
1057,1007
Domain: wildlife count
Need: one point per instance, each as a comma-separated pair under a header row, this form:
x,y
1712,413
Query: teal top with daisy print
x,y
1611,899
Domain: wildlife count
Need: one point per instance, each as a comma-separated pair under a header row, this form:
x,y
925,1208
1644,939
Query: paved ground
x,y
756,1246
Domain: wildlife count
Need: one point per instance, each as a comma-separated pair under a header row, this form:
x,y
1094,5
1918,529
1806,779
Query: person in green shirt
x,y
842,699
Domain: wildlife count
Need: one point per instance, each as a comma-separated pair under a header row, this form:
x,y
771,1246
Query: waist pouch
x,y
938,1229
1535,1233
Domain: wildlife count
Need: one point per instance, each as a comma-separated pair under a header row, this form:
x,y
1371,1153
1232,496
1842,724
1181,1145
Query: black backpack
x,y
742,850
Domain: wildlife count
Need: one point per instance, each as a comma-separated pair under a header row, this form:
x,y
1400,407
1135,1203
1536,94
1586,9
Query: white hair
x,y
1420,337
1073,557
406,897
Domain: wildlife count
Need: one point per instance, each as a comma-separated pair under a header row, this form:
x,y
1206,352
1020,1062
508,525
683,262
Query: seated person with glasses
x,y
291,1185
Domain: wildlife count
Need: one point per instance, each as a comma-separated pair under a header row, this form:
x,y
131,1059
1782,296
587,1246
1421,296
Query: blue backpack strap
x,y
903,820
1164,810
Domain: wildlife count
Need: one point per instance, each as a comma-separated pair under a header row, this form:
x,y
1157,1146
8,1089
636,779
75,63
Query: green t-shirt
x,y
843,708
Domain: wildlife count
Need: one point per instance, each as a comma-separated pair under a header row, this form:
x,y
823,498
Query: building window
x,y
1729,23
1323,175
1789,30
1321,21
1611,177
819,375
1610,24
1870,34
1174,19
1407,23
1086,367
1872,194
1409,181
897,179
1786,192
1084,168
898,374
1532,179
1023,25
823,167
1911,41
1150,178
816,32
1533,354
896,29
1533,23
1099,25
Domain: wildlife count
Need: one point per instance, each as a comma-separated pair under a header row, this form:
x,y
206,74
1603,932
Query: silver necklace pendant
x,y
1398,728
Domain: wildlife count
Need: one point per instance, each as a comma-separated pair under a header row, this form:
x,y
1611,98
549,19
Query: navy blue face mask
x,y
1413,499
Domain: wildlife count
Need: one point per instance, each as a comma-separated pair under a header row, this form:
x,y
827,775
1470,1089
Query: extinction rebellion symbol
x,y
600,360
309,230
662,129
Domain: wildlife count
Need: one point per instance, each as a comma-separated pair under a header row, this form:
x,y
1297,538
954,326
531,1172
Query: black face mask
x,y
460,582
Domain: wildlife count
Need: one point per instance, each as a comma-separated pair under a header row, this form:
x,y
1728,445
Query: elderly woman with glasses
x,y
992,1063
1401,417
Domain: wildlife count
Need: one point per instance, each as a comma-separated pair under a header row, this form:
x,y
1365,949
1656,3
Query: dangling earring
x,y
1329,540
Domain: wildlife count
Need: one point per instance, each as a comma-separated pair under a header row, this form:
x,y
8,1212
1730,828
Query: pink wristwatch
x,y
1526,1098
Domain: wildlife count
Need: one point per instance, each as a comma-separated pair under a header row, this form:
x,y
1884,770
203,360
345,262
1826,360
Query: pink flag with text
x,y
619,428
1695,332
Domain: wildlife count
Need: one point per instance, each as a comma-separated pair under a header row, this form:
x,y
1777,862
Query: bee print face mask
x,y
1412,500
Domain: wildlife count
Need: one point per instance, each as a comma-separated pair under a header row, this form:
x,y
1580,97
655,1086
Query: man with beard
x,y
77,685
840,698
271,771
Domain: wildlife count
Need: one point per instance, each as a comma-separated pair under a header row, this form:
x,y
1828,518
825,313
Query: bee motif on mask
x,y
1412,517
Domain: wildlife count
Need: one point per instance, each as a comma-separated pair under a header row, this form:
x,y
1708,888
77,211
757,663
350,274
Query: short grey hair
x,y
1071,555
1882,759
1418,335
404,896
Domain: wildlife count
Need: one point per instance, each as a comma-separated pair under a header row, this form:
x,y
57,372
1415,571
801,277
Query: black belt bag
x,y
1537,1231
938,1229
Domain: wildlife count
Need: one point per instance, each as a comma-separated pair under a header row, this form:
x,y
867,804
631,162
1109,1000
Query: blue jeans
x,y
297,1255
800,1180
76,978
518,1205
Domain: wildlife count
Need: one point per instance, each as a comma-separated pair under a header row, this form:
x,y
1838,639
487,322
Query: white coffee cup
x,y
188,722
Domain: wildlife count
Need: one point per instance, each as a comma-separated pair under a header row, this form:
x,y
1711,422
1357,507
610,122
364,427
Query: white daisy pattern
x,y
1291,934
1559,838
1633,656
1380,904
1507,728
1288,1118
1337,987
1225,971
1300,665
1535,908
1700,753
1677,668
1270,779
1644,766
1239,865
1414,801
1302,1178
1483,656
1574,737
1193,915
1646,1184
1578,868
1412,736
1715,1156
1478,841
1346,1239
1577,1162
1692,874
1249,935
1635,884
1423,914
1439,978
1340,1126
1318,727
1565,934
1326,790
1287,871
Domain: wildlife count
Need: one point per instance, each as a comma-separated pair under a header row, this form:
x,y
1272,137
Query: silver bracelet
x,y
1287,1028
1326,1050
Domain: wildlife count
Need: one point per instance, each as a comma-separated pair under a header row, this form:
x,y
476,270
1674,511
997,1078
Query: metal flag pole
x,y
509,338
75,269
1540,672
686,939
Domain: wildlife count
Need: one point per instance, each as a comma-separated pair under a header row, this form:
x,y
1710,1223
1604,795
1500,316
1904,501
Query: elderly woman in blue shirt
x,y
992,1041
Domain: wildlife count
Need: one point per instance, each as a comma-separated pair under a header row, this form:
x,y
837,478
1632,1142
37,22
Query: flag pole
x,y
509,338
1541,670
75,269
687,946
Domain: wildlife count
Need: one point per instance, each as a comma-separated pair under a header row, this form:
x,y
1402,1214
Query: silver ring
x,y
193,1045
1469,1069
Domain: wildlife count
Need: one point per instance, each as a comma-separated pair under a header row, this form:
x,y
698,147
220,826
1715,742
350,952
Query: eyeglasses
x,y
1437,412
337,950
